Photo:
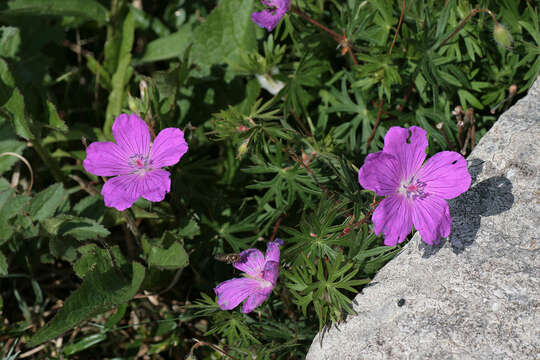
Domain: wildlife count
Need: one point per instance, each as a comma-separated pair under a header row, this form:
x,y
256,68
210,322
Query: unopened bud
x,y
439,126
458,110
242,149
143,88
512,89
502,36
132,104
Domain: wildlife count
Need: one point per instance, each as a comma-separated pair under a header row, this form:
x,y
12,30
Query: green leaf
x,y
10,206
54,119
13,103
14,146
3,265
82,229
85,343
10,40
227,33
168,47
171,256
44,204
122,74
88,9
103,288
102,76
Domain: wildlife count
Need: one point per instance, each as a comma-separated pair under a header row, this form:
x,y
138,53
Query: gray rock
x,y
477,294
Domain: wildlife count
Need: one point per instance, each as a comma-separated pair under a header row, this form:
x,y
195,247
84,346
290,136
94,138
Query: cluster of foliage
x,y
103,283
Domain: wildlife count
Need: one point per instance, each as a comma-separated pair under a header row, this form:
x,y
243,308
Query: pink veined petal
x,y
271,272
253,301
131,133
393,218
431,217
408,146
381,173
121,192
106,159
272,250
232,292
268,18
445,175
252,262
155,184
169,146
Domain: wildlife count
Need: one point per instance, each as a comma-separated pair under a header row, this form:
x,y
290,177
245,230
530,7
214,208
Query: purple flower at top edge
x,y
260,276
135,162
415,194
272,15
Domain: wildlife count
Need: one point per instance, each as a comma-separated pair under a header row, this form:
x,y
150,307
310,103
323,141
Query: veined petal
x,y
272,250
431,217
281,4
155,184
252,262
271,272
121,192
253,301
268,18
445,175
232,292
106,159
408,146
131,133
381,173
393,218
169,146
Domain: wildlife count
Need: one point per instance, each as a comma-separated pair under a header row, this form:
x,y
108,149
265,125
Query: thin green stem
x,y
464,21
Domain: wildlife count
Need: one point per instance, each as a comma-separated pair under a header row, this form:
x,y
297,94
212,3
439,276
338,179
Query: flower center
x,y
141,164
412,189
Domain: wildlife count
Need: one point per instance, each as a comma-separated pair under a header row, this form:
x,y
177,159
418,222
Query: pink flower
x,y
272,15
415,194
261,273
135,162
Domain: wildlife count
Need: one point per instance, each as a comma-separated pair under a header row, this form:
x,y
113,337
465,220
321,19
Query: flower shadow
x,y
486,198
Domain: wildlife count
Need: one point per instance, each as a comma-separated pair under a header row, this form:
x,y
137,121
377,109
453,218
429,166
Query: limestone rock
x,y
477,294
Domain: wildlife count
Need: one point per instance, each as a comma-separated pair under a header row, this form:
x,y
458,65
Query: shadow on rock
x,y
487,198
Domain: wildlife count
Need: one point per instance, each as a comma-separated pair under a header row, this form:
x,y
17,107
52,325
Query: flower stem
x,y
398,27
464,21
379,112
340,39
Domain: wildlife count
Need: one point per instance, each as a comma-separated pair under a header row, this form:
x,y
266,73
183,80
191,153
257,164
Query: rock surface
x,y
477,294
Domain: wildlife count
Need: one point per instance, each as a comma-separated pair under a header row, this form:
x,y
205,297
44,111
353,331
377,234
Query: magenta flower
x,y
261,273
415,194
272,15
135,162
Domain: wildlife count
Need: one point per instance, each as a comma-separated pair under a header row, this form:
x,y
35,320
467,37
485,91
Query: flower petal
x,y
271,272
272,250
253,301
431,217
131,133
232,292
169,146
252,262
268,18
381,173
106,159
445,175
155,184
121,192
393,218
408,146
